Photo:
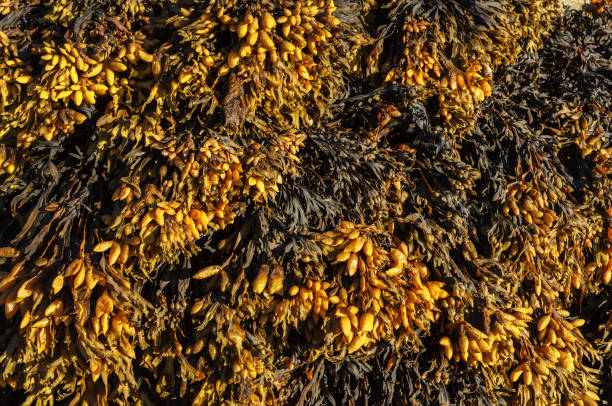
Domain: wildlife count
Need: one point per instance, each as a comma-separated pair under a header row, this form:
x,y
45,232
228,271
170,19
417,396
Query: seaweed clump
x,y
270,202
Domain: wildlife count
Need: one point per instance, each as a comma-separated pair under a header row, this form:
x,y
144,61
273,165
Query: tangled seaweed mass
x,y
297,202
